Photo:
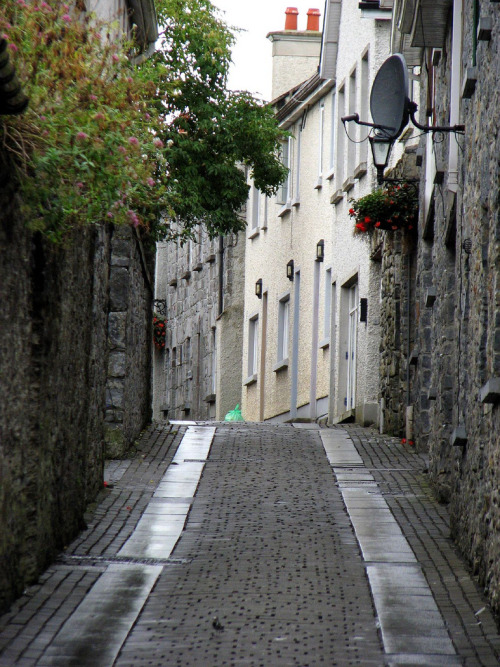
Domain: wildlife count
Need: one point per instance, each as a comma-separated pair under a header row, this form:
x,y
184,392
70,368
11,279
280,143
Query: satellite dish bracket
x,y
355,118
412,107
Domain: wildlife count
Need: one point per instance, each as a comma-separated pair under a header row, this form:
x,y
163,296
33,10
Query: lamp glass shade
x,y
320,250
381,150
289,270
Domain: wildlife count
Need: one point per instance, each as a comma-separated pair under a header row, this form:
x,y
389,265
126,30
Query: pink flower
x,y
79,184
115,58
147,116
66,8
82,135
158,143
93,98
99,116
43,118
130,79
13,48
122,149
133,141
66,18
133,218
5,36
150,182
45,133
109,214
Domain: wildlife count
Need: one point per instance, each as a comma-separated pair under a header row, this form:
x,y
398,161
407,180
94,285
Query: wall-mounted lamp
x,y
381,149
289,270
320,251
160,307
258,288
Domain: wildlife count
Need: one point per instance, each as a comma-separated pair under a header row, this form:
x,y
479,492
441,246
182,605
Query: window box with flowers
x,y
159,331
393,207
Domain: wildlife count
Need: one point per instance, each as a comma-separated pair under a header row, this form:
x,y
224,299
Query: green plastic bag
x,y
234,415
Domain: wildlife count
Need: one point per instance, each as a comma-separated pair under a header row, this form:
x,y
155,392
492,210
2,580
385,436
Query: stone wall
x,y
128,399
53,364
201,363
459,326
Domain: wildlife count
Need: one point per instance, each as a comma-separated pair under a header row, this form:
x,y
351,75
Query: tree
x,y
148,144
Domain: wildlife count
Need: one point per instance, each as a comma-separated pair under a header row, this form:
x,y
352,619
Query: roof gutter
x,y
298,106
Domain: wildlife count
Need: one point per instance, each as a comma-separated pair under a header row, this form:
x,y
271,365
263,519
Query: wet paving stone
x,y
274,562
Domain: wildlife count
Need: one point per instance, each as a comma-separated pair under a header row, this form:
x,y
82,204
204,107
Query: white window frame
x,y
284,191
333,125
253,349
255,208
321,141
327,315
283,331
296,196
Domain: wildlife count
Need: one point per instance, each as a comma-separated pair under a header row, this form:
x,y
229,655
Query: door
x,y
352,336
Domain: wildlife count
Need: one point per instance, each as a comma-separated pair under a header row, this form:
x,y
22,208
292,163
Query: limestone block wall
x,y
52,372
458,258
128,396
199,372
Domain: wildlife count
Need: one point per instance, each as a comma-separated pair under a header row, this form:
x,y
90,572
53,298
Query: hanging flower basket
x,y
159,330
395,206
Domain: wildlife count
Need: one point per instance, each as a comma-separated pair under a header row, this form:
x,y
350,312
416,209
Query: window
x,y
321,130
253,346
353,132
255,208
328,304
365,113
340,138
296,198
214,360
331,165
283,328
283,193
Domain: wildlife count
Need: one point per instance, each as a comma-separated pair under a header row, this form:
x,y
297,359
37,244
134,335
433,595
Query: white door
x,y
351,347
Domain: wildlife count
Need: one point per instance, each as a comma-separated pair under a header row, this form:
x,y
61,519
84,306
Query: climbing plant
x,y
104,139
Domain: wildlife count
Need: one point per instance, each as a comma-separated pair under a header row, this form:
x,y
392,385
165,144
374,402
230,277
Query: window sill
x,y
211,398
360,170
251,379
348,184
330,174
336,197
254,233
285,209
324,344
296,202
281,365
319,183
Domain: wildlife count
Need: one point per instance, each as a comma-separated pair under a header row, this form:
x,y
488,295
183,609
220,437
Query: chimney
x,y
291,14
313,19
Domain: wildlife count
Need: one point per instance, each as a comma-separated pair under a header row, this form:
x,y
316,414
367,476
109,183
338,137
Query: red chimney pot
x,y
291,14
313,19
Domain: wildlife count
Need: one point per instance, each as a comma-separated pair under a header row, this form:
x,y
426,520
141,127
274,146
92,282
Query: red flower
x,y
394,227
351,211
377,224
367,219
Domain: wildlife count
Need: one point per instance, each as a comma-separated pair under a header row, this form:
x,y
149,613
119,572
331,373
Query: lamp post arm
x,y
355,118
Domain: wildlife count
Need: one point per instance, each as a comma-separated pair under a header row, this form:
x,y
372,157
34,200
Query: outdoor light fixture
x,y
320,251
258,288
381,149
160,307
289,270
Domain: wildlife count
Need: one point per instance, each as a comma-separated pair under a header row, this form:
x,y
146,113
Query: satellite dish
x,y
389,97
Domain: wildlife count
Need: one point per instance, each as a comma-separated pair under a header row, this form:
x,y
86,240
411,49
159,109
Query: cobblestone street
x,y
258,544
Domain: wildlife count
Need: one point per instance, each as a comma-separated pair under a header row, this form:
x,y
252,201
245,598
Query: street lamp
x,y
381,150
289,270
258,288
320,251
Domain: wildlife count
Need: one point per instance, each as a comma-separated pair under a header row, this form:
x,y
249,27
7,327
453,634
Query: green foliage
x,y
393,207
103,139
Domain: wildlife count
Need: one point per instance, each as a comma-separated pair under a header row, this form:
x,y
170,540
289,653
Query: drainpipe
x,y
456,73
221,275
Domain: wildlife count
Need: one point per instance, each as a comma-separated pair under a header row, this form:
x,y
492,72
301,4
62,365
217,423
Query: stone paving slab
x,y
268,569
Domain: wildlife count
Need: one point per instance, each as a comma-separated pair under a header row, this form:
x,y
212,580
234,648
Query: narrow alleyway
x,y
255,544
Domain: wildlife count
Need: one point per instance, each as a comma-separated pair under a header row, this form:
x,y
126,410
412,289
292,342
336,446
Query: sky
x,y
251,68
